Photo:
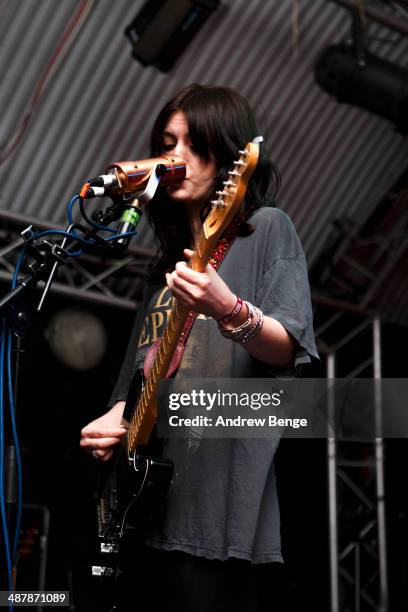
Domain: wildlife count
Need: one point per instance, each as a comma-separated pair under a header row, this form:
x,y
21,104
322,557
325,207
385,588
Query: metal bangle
x,y
238,331
249,328
255,329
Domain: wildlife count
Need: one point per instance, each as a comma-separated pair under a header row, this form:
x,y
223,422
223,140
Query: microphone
x,y
124,179
131,183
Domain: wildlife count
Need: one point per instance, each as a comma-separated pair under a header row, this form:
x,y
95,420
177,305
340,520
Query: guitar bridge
x,y
108,548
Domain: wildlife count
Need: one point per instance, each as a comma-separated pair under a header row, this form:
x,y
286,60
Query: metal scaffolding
x,y
358,283
112,279
357,534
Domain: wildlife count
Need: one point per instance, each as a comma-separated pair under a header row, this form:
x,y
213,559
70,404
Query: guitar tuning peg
x,y
228,183
220,193
218,203
239,162
244,152
233,172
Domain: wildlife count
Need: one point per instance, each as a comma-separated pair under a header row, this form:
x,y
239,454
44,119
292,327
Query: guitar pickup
x,y
100,570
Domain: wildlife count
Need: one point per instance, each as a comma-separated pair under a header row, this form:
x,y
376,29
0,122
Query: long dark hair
x,y
221,122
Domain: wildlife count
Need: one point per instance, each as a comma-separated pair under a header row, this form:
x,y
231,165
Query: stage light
x,y
373,83
77,338
163,28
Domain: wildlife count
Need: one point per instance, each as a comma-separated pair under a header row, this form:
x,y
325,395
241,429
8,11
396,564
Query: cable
x,y
71,203
78,198
19,263
73,235
16,448
91,222
6,541
59,54
112,238
13,419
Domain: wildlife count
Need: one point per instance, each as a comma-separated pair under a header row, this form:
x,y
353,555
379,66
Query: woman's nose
x,y
181,150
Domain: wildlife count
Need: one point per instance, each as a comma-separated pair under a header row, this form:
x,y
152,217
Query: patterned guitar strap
x,y
215,261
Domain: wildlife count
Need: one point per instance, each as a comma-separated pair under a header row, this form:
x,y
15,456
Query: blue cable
x,y
120,236
70,208
13,418
18,266
77,198
16,447
82,240
64,233
74,235
2,448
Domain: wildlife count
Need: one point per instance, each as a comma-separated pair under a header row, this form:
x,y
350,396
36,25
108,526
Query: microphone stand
x,y
48,258
18,313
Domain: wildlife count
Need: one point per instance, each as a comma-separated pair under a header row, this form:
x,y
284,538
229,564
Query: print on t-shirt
x,y
157,317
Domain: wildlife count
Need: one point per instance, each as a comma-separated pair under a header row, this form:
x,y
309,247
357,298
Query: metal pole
x,y
379,459
357,577
332,487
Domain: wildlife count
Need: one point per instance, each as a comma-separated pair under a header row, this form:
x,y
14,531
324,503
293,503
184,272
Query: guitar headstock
x,y
229,200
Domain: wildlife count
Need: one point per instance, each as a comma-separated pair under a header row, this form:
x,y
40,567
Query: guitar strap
x,y
216,259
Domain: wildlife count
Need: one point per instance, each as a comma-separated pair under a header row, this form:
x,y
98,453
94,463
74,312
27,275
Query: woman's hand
x,y
203,292
206,293
99,436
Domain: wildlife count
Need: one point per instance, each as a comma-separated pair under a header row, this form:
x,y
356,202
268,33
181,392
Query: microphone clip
x,y
132,213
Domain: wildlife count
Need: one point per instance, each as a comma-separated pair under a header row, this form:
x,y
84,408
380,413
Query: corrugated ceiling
x,y
96,104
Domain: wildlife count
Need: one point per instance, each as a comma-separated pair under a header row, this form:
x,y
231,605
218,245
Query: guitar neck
x,y
144,415
223,211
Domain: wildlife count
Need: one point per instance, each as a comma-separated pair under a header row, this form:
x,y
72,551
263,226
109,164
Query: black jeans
x,y
179,582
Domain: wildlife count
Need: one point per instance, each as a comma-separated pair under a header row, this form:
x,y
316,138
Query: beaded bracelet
x,y
255,329
248,329
237,331
234,312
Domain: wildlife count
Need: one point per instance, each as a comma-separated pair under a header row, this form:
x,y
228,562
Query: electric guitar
x,y
137,481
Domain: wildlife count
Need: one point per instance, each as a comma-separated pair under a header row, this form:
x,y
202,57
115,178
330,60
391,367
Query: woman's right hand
x,y
100,435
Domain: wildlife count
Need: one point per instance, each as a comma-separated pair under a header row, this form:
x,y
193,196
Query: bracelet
x,y
237,332
248,329
255,329
234,312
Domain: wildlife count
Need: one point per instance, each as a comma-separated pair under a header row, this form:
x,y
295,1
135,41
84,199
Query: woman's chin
x,y
177,193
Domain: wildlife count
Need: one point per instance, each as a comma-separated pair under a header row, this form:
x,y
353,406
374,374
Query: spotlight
x,y
77,338
163,28
373,83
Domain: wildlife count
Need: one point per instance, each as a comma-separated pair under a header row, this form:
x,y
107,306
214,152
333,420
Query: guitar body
x,y
132,488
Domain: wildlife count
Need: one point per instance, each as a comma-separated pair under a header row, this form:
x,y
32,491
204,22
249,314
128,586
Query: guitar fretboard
x,y
224,210
143,419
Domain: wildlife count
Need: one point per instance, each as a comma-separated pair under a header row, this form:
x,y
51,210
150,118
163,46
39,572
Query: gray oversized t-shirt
x,y
223,500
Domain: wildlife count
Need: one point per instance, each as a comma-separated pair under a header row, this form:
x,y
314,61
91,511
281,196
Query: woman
x,y
221,520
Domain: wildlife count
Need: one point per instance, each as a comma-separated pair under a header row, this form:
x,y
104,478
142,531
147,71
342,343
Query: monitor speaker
x,y
163,28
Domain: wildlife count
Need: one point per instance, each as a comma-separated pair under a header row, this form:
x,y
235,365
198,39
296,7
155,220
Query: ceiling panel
x,y
97,104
